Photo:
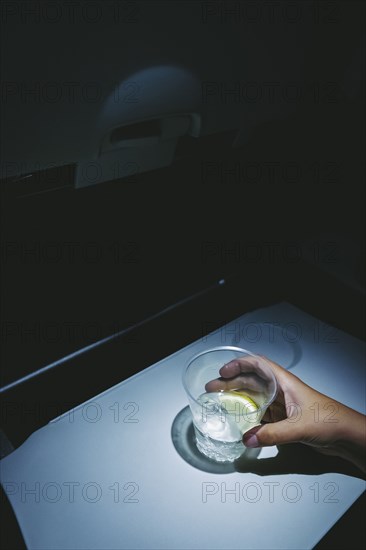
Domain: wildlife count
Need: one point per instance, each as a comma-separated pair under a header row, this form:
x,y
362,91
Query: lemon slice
x,y
240,412
231,400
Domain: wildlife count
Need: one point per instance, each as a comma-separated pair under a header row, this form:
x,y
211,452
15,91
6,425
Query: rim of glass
x,y
230,348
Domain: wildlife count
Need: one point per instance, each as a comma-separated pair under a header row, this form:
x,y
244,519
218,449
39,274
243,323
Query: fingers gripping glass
x,y
229,390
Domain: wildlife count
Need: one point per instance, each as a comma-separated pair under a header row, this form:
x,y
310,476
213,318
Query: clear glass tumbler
x,y
224,408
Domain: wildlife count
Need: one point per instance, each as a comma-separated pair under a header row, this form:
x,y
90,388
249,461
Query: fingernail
x,y
250,439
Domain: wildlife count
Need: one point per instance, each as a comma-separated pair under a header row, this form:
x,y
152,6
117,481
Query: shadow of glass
x,y
297,459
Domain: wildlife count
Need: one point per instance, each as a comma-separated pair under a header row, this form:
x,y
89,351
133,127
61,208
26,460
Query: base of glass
x,y
220,451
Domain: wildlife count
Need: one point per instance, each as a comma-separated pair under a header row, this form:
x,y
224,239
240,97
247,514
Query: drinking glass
x,y
223,409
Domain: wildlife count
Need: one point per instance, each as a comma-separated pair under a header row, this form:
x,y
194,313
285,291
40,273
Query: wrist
x,y
351,438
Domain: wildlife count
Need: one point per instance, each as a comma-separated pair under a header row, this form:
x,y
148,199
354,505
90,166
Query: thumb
x,y
273,433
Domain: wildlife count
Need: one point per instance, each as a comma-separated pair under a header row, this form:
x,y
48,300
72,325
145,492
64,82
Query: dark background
x,y
79,264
